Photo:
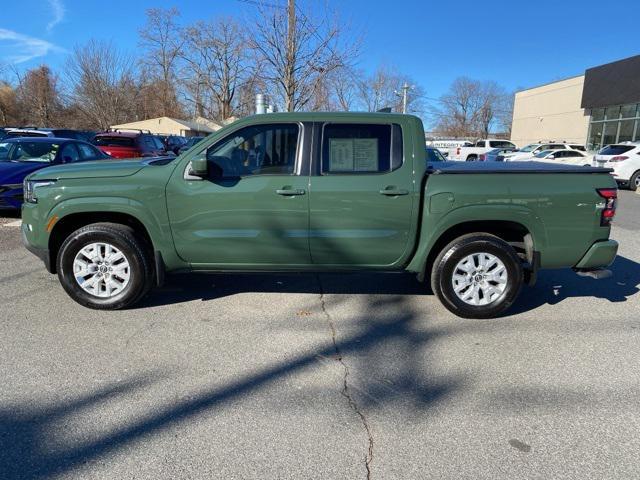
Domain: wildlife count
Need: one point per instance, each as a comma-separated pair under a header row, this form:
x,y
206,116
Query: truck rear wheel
x,y
105,266
477,276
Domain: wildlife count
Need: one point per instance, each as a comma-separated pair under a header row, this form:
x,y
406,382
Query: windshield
x,y
543,153
29,152
530,148
114,141
434,155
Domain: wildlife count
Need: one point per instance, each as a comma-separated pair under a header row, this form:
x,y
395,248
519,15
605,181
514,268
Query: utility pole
x,y
291,53
404,95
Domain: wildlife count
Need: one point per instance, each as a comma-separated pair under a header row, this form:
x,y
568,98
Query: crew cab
x,y
318,192
480,147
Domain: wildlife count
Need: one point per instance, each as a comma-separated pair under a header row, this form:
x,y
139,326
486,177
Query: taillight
x,y
458,151
619,158
610,196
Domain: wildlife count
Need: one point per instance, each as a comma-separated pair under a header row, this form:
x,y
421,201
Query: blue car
x,y
21,156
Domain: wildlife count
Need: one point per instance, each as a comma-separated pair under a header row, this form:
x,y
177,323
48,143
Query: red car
x,y
130,144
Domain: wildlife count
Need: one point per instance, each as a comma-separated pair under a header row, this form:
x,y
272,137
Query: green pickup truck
x,y
318,192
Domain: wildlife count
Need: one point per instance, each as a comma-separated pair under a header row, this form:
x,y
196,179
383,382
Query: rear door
x,y
361,195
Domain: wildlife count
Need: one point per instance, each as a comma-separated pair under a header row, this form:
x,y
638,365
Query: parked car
x,y
434,155
495,155
21,156
191,142
173,143
130,144
46,132
360,201
567,156
624,159
447,146
533,149
472,153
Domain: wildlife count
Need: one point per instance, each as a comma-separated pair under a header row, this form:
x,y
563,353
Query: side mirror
x,y
551,157
200,167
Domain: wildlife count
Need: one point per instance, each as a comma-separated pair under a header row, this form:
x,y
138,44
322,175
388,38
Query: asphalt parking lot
x,y
328,377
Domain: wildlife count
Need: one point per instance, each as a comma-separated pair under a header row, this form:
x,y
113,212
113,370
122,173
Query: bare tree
x,y
8,104
162,42
471,108
103,84
343,85
383,89
38,97
298,53
217,64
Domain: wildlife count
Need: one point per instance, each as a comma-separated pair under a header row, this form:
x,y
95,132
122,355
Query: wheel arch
x,y
517,226
73,221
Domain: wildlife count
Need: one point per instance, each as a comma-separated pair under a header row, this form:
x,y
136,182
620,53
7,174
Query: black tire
x,y
472,158
634,181
122,237
445,263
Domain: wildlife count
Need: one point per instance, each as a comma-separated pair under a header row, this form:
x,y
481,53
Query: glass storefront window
x,y
626,130
595,137
629,111
612,113
614,125
610,133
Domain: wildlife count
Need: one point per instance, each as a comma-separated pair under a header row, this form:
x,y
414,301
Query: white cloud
x,y
22,48
57,10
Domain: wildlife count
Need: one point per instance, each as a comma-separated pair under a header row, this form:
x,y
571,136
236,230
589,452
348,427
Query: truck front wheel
x,y
477,276
105,266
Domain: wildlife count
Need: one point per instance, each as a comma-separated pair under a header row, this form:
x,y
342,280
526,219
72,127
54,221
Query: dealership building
x,y
598,108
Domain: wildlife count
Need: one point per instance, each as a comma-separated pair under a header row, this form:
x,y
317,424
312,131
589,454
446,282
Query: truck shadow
x,y
32,444
553,286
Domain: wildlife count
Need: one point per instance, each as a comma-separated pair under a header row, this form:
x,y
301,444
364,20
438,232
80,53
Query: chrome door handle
x,y
290,192
394,192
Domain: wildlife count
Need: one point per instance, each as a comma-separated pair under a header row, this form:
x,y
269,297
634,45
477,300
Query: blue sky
x,y
517,43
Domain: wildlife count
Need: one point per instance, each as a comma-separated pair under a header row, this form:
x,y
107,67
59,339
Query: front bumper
x,y
600,255
42,253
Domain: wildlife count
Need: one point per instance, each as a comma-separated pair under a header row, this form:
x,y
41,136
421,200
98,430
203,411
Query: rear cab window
x,y
361,148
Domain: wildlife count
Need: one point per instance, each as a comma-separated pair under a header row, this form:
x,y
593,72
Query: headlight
x,y
30,187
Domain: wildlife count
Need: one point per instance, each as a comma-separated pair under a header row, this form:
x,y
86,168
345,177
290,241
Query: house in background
x,y
173,126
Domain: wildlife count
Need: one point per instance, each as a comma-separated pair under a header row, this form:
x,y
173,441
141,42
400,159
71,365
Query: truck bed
x,y
451,168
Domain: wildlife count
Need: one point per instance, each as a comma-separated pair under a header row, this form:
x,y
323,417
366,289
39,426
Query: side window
x,y
87,152
69,153
480,144
361,148
256,150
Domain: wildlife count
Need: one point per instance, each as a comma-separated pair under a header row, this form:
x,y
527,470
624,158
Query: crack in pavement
x,y
346,391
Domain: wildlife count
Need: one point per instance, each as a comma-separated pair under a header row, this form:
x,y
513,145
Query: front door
x,y
362,197
253,209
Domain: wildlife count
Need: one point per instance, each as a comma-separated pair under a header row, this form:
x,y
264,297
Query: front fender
x,y
434,226
155,221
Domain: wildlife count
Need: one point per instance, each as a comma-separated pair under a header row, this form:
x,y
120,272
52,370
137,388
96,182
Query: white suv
x,y
624,158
